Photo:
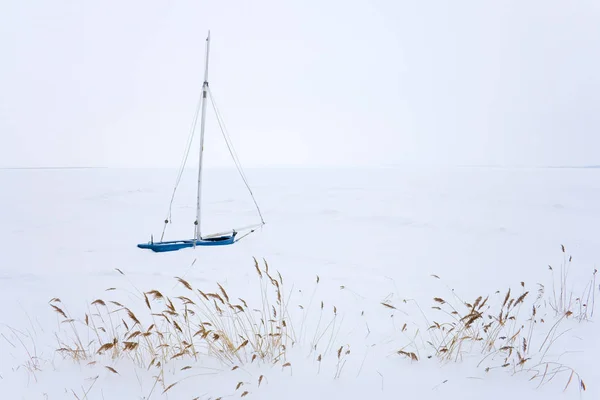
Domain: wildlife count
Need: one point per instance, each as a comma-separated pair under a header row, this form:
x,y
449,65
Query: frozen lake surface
x,y
372,236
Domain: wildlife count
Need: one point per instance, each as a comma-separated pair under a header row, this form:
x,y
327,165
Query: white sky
x,y
311,82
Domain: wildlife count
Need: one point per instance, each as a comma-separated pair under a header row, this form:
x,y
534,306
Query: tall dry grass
x,y
193,326
566,298
512,330
504,332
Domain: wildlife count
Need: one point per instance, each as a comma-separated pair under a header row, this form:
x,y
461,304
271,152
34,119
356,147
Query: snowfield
x,y
360,258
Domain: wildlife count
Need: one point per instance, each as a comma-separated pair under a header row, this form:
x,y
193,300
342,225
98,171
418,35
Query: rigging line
x,y
243,236
232,151
233,155
184,160
182,165
228,139
244,228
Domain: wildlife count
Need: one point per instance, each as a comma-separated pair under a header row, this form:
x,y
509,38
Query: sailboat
x,y
216,239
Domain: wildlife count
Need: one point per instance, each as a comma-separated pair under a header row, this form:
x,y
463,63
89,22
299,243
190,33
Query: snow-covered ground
x,y
371,236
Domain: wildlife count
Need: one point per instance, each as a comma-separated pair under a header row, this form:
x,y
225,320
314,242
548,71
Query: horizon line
x,y
591,166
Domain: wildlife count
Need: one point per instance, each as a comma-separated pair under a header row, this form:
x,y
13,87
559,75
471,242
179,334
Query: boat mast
x,y
198,234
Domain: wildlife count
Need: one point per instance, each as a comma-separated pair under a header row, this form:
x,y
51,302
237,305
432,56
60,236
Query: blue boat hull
x,y
175,245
